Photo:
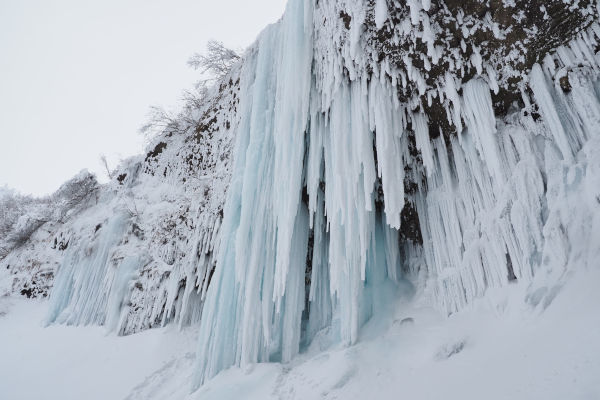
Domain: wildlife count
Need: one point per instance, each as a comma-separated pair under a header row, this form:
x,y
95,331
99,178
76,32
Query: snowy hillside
x,y
389,192
156,224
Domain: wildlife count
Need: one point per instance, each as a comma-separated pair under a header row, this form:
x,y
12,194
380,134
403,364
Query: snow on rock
x,y
137,253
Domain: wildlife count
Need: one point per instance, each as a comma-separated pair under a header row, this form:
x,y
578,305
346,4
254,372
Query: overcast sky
x,y
77,77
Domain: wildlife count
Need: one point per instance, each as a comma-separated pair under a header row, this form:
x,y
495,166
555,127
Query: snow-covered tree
x,y
217,61
21,216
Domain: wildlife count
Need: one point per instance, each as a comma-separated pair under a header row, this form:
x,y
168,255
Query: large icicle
x,y
481,122
388,119
349,182
256,296
544,99
84,292
323,154
254,305
292,100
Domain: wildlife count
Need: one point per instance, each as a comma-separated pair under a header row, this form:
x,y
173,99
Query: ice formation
x,y
80,294
138,253
349,159
322,156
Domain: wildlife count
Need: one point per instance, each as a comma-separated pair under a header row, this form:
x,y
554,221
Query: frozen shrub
x,y
79,188
21,216
217,61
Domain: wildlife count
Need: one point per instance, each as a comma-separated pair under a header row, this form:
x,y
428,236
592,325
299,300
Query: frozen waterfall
x,y
312,233
353,181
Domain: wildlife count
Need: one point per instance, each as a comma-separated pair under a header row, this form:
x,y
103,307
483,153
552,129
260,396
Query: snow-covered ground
x,y
66,362
501,347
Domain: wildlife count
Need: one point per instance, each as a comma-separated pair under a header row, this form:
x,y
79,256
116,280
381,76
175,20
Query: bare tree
x,y
12,207
20,217
196,98
217,61
73,192
159,120
104,163
36,216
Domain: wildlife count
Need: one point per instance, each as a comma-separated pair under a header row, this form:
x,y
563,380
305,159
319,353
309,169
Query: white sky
x,y
77,77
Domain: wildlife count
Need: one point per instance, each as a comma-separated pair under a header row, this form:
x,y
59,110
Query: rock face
x,y
420,43
358,150
138,252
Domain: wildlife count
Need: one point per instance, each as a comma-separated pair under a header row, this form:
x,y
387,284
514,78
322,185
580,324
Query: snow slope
x,y
63,362
501,347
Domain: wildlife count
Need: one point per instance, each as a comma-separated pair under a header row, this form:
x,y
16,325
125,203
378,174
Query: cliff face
x,y
137,252
359,152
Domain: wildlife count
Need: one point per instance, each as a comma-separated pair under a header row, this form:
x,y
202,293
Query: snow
x,y
65,362
381,13
316,269
509,345
505,349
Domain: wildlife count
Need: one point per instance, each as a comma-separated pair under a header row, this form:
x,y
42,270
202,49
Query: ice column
x,y
256,297
85,279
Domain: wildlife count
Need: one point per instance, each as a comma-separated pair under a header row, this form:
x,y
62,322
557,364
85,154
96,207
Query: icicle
x,y
415,9
454,98
255,299
119,293
481,121
294,296
84,292
294,61
381,13
319,296
477,60
545,102
420,125
492,80
585,105
387,121
349,180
